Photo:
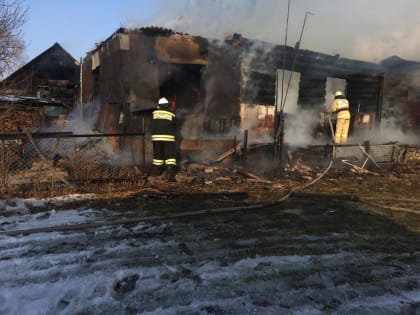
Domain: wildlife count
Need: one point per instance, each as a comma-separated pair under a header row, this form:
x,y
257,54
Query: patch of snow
x,y
140,269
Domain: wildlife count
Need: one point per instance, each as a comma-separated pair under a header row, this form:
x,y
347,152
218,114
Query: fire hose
x,y
130,220
323,173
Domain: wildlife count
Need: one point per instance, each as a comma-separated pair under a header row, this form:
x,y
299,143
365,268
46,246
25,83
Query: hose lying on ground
x,y
323,173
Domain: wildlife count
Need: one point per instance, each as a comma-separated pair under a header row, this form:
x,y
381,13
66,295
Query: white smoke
x,y
299,129
388,131
366,30
83,118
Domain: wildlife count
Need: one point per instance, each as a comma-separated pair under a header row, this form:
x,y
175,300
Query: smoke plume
x,y
366,30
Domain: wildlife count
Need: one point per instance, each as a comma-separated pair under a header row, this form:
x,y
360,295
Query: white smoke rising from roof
x,y
366,30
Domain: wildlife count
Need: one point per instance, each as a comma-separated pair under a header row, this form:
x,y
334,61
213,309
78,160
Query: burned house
x,y
54,75
221,87
127,73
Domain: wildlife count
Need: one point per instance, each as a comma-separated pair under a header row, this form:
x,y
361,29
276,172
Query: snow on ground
x,y
174,268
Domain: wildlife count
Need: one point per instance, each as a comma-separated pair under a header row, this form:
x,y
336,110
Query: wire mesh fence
x,y
29,161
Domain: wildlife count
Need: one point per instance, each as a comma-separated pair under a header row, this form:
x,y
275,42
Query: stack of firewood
x,y
14,119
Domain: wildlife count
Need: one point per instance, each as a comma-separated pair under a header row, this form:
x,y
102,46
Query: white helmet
x,y
338,93
163,100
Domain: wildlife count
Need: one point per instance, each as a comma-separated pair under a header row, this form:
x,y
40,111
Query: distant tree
x,y
13,15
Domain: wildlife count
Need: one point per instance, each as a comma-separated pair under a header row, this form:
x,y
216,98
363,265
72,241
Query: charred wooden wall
x,y
222,79
389,90
401,94
401,104
259,67
122,76
312,89
132,69
262,60
365,95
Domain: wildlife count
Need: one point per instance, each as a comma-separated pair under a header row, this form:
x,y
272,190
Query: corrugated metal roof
x,y
29,100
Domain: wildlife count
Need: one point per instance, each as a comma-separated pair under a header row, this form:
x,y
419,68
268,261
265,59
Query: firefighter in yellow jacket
x,y
340,106
163,129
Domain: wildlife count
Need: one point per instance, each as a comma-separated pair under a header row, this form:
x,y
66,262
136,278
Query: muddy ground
x,y
392,191
223,241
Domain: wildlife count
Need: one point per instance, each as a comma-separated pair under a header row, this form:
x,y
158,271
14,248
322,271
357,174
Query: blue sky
x,y
78,24
360,29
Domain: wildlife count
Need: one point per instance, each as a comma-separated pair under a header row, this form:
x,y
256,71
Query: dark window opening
x,y
42,91
181,83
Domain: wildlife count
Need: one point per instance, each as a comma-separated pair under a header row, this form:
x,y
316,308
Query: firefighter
x,y
340,106
163,138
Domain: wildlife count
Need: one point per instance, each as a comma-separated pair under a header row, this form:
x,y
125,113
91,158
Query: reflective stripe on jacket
x,y
163,114
163,138
163,125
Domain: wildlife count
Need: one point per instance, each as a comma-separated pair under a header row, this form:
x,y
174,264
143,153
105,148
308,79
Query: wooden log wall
x,y
312,91
363,77
396,87
364,95
260,88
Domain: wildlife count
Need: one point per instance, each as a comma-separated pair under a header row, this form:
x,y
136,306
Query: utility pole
x,y
279,131
279,135
297,47
81,89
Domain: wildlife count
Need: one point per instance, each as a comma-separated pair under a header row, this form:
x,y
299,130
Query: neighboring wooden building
x,y
54,74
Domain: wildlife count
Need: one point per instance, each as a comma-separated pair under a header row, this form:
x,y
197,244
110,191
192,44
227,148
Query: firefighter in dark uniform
x,y
163,138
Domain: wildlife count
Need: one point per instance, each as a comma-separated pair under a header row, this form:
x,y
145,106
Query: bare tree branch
x,y
13,15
